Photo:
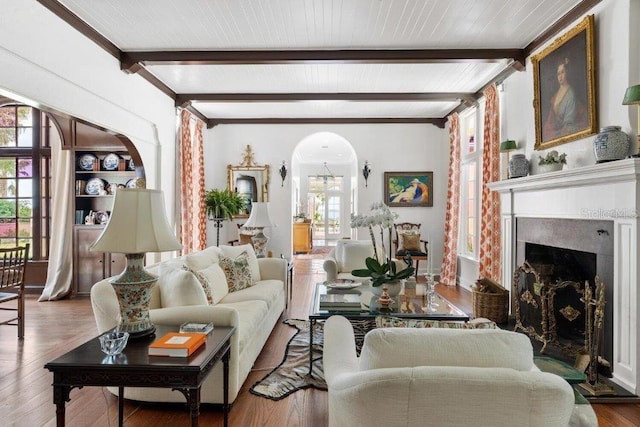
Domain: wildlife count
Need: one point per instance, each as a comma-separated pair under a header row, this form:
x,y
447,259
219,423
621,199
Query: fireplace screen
x,y
551,313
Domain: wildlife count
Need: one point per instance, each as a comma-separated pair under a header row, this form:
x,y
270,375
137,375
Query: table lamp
x,y
137,225
259,219
507,147
632,97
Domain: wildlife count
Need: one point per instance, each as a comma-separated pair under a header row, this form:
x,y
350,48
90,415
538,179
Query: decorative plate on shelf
x,y
130,165
136,183
102,217
94,186
86,161
110,162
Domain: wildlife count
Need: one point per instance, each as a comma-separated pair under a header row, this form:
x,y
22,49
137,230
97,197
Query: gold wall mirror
x,y
250,180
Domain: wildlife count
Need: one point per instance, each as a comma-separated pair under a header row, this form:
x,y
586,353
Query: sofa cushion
x,y
237,271
217,281
179,287
354,254
200,260
482,348
234,251
251,315
265,290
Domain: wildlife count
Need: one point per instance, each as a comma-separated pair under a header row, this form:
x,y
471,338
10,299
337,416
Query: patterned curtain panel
x,y
193,226
449,258
490,265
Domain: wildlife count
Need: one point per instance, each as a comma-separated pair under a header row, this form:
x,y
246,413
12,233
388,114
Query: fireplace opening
x,y
564,253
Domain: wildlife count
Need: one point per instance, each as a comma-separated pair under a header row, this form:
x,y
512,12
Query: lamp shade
x,y
259,216
632,95
138,224
508,145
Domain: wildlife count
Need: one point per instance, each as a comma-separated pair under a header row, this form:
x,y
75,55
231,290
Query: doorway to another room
x,y
324,184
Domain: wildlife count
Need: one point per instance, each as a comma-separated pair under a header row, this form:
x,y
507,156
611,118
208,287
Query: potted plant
x,y
552,161
384,274
223,204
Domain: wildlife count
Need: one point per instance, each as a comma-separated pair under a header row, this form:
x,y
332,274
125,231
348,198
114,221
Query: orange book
x,y
177,344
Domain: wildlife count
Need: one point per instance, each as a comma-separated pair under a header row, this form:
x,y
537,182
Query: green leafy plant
x,y
223,203
553,157
382,273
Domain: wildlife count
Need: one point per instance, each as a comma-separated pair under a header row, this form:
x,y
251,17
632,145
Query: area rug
x,y
292,373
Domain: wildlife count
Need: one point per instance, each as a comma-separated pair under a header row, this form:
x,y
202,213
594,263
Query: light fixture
x,y
259,219
366,170
283,172
632,97
137,225
507,147
325,173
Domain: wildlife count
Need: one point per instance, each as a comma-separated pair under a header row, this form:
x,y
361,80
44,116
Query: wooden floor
x,y
52,328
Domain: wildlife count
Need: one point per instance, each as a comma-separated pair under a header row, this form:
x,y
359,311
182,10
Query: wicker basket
x,y
493,303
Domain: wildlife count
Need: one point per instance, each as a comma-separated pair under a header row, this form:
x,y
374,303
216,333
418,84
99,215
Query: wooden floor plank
x,y
52,328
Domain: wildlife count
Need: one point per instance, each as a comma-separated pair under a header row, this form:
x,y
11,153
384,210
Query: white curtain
x,y
60,271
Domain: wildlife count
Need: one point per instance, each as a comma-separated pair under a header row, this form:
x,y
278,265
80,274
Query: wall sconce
x,y
366,170
283,172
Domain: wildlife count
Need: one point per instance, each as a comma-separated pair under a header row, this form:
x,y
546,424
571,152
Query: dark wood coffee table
x,y
410,304
87,365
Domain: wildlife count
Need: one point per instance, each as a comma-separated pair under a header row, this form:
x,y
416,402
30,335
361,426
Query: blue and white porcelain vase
x,y
611,144
518,166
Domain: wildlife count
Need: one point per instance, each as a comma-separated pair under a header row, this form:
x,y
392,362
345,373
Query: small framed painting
x,y
408,189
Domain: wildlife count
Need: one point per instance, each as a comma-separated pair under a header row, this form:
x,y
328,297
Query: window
x,y
25,173
325,203
470,174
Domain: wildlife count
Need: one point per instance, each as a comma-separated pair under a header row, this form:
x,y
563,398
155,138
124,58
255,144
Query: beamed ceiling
x,y
321,61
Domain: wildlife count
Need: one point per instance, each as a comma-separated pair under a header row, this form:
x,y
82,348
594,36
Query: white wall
x,y
48,64
617,67
387,147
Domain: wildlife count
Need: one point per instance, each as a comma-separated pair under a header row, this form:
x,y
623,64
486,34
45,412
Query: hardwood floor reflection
x,y
52,328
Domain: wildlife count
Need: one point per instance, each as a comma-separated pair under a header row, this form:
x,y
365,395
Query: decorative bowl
x,y
112,343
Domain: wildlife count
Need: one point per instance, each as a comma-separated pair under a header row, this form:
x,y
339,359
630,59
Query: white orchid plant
x,y
381,268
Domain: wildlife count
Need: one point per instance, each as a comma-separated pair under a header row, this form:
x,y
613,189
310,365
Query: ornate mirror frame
x,y
250,179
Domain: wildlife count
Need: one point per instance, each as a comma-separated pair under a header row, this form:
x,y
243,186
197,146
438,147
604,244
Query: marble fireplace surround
x,y
608,191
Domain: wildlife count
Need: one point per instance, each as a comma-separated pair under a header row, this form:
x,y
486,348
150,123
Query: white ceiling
x,y
317,27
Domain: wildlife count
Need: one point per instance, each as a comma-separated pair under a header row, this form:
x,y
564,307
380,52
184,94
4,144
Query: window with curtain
x,y
25,172
470,181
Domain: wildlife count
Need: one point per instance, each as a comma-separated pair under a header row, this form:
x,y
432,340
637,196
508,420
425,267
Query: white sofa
x,y
345,257
178,297
442,377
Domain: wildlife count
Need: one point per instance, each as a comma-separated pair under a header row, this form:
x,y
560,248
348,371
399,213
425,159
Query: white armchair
x,y
452,377
347,256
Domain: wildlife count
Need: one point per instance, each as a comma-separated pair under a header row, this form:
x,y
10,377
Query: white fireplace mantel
x,y
606,191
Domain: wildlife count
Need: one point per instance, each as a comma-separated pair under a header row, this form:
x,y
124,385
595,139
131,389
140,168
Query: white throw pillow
x,y
179,287
202,259
233,252
354,255
217,281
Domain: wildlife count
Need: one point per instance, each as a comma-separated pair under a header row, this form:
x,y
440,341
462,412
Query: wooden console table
x,y
87,365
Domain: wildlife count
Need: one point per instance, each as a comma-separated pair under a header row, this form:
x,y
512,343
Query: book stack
x,y
177,344
340,302
202,328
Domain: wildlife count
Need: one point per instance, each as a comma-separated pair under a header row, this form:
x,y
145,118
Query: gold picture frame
x,y
564,96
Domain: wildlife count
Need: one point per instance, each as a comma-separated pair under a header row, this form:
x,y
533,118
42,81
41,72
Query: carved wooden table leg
x,y
60,397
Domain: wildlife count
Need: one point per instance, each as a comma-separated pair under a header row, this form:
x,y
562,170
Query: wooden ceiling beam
x,y
185,98
439,122
354,56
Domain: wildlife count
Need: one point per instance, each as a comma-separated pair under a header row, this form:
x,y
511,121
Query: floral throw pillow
x,y
204,282
395,322
237,271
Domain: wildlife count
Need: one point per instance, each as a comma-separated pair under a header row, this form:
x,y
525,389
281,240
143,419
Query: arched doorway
x,y
324,177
